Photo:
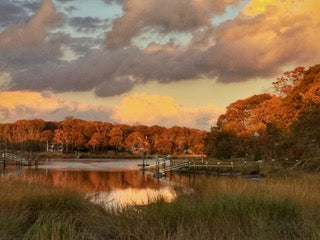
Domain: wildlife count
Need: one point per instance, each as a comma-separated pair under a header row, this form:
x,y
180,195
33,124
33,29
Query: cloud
x,y
166,16
70,9
137,108
87,24
34,31
95,70
266,37
83,45
31,6
11,12
120,2
5,80
28,44
163,110
23,59
29,105
64,1
110,73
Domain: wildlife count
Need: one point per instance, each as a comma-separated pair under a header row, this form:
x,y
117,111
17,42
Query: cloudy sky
x,y
166,62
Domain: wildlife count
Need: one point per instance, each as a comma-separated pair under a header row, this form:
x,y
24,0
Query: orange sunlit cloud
x,y
34,100
28,105
163,110
137,108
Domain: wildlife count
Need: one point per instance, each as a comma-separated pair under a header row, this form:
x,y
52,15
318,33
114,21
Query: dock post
x,y
259,166
272,163
4,161
202,158
218,168
245,168
232,173
158,167
36,162
29,160
2,157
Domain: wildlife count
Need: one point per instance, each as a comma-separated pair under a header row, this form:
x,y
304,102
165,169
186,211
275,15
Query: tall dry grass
x,y
220,208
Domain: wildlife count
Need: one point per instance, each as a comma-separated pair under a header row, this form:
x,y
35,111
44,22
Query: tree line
x,y
92,136
284,124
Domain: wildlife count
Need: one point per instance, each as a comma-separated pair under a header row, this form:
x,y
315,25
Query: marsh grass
x,y
222,208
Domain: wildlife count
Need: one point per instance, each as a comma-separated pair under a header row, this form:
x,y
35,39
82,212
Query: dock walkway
x,y
163,166
18,159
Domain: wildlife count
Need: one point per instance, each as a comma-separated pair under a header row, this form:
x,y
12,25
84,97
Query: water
x,y
114,183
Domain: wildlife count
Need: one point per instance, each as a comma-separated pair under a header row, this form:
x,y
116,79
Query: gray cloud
x,y
77,76
31,6
24,57
166,16
65,1
120,2
11,12
87,24
111,73
33,32
82,45
237,50
71,9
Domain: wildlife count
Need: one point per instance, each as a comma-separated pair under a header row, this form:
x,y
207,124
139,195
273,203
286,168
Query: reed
x,y
223,208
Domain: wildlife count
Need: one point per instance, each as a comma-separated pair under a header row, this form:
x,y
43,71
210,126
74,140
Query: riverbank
x,y
226,208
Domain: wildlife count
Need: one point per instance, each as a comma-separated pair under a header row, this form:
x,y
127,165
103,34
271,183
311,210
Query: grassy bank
x,y
226,208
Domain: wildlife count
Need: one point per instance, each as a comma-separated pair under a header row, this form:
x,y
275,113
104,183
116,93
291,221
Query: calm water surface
x,y
115,183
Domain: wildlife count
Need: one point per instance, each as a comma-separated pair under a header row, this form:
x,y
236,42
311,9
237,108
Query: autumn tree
x,y
305,132
220,144
288,81
238,115
137,140
116,138
80,135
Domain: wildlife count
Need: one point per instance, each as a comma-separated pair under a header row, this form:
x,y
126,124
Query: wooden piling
x,y
3,161
158,167
245,168
259,167
232,170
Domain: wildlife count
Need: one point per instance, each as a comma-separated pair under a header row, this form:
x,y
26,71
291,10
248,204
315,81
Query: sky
x,y
165,62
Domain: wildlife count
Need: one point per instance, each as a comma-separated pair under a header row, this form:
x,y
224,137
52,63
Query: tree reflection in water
x,y
115,188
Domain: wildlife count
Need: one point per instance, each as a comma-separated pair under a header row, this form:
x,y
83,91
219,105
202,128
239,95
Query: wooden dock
x,y
164,166
7,158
